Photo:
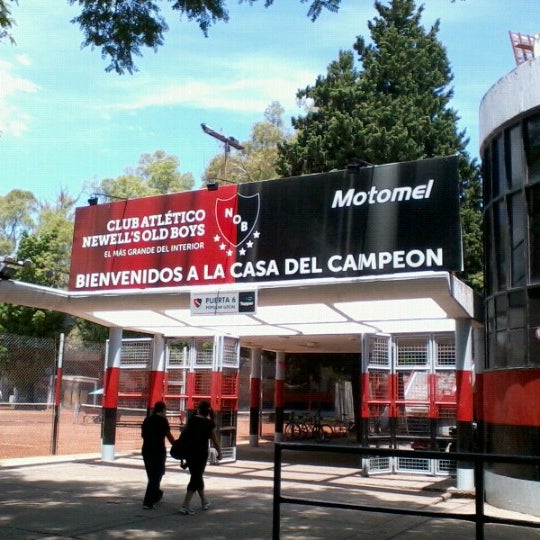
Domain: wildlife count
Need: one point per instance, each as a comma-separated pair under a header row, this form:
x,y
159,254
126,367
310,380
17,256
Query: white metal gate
x,y
409,398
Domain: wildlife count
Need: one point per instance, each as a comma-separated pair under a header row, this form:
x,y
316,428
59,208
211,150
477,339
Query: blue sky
x,y
66,123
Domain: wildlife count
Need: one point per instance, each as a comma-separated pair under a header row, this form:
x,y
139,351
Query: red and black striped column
x,y
110,393
255,397
156,376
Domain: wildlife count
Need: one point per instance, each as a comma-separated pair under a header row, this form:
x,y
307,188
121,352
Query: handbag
x,y
180,448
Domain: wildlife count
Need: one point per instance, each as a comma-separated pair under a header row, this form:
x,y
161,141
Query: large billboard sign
x,y
385,219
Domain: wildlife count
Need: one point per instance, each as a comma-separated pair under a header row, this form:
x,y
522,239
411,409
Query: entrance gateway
x,y
324,276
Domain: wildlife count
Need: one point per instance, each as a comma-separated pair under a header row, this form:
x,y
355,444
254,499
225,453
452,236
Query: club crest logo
x,y
197,302
237,217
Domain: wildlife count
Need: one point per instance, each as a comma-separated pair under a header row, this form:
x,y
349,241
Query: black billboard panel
x,y
401,217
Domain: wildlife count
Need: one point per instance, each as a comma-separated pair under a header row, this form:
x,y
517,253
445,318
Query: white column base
x,y
465,479
107,452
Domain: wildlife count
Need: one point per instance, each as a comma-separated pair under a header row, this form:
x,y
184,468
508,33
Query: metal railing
x,y
476,459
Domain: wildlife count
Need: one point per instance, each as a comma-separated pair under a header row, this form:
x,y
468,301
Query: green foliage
x,y
89,332
121,27
161,173
397,108
50,257
17,215
47,243
6,20
155,174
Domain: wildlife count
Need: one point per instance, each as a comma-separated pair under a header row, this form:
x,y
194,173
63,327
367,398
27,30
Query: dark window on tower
x,y
486,174
517,164
501,182
491,346
532,147
533,201
517,348
490,311
496,150
501,350
534,306
534,348
500,235
501,312
491,274
516,209
517,305
534,323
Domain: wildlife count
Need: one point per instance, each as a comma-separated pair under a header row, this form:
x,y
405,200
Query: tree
x,y
47,243
6,21
121,27
17,215
258,159
397,108
43,250
49,248
155,174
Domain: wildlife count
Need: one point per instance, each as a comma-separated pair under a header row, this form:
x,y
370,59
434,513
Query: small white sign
x,y
223,303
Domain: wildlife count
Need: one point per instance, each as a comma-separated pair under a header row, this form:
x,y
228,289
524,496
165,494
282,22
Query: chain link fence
x,y
31,424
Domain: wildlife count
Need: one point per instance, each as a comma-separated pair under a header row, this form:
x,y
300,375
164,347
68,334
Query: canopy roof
x,y
326,315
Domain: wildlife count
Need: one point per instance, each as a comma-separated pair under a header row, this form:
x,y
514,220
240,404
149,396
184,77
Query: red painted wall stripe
x,y
190,390
254,392
464,396
112,379
155,386
364,392
478,395
58,387
279,393
511,397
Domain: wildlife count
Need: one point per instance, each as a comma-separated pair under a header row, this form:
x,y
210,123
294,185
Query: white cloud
x,y
13,119
237,87
23,59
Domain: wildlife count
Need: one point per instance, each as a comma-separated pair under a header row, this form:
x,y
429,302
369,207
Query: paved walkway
x,y
81,497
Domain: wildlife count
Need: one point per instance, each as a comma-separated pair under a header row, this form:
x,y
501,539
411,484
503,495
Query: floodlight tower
x,y
524,46
228,142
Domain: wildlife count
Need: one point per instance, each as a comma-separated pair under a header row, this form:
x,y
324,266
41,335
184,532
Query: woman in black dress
x,y
202,429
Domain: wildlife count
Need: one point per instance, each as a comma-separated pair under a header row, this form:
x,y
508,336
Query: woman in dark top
x,y
153,431
202,429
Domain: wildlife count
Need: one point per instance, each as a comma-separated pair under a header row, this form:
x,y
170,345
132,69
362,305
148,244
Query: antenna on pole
x,y
228,142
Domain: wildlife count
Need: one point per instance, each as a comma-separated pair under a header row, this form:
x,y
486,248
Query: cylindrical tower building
x,y
509,412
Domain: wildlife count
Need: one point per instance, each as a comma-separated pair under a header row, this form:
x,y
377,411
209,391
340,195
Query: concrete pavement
x,y
81,497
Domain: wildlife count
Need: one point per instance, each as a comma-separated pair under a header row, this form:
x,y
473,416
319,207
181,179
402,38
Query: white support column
x,y
464,397
255,397
279,396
